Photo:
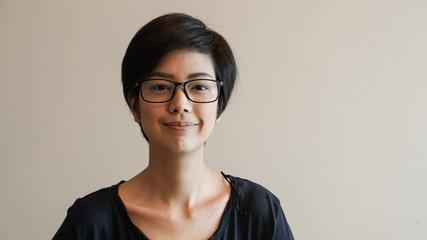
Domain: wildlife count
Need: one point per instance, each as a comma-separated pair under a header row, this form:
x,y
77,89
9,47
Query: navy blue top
x,y
251,213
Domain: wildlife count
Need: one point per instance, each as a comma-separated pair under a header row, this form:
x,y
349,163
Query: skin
x,y
177,196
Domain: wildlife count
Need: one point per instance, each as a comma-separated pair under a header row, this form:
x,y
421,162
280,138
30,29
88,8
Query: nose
x,y
179,102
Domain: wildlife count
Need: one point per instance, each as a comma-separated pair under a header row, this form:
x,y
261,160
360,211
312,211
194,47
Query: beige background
x,y
330,113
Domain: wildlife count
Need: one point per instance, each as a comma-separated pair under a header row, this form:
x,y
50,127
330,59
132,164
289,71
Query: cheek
x,y
148,115
209,114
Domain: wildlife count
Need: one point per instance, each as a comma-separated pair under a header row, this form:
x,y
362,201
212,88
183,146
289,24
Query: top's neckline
x,y
224,218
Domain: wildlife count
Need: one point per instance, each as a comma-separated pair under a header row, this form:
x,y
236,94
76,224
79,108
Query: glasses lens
x,y
157,90
202,90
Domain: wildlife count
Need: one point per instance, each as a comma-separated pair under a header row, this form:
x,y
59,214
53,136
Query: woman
x,y
177,78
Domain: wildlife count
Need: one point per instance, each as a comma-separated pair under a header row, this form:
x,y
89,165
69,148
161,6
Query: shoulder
x,y
259,214
251,189
94,216
254,197
98,205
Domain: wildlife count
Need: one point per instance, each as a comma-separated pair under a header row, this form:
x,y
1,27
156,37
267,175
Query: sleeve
x,y
282,230
66,231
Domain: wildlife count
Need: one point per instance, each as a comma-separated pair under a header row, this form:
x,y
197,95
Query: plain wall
x,y
329,114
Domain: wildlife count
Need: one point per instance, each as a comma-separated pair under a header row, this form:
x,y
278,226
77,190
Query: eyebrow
x,y
160,74
199,74
170,76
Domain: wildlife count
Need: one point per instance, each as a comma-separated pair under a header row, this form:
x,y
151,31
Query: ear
x,y
134,108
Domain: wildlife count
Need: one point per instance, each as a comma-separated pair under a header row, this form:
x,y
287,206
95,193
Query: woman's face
x,y
179,125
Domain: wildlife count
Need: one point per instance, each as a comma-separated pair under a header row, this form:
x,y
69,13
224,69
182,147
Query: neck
x,y
177,177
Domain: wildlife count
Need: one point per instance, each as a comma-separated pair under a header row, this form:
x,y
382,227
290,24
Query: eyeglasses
x,y
163,90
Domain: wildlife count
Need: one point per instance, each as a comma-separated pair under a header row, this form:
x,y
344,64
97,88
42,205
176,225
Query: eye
x,y
199,87
159,87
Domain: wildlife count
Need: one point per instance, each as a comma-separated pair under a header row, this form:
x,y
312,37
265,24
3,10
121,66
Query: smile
x,y
180,126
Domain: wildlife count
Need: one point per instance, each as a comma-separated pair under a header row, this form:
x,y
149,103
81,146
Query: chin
x,y
183,148
178,145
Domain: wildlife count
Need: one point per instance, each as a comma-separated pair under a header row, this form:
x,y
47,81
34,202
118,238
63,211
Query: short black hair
x,y
176,31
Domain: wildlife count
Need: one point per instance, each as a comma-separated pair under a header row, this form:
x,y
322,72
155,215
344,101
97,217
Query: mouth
x,y
180,126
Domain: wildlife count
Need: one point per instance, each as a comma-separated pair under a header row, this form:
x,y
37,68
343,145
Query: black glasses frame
x,y
183,84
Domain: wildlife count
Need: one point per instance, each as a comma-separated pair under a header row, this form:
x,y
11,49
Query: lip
x,y
180,126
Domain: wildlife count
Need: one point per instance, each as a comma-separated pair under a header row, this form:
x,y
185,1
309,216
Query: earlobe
x,y
134,108
136,117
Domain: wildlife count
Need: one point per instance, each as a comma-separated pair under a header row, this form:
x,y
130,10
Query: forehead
x,y
185,64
